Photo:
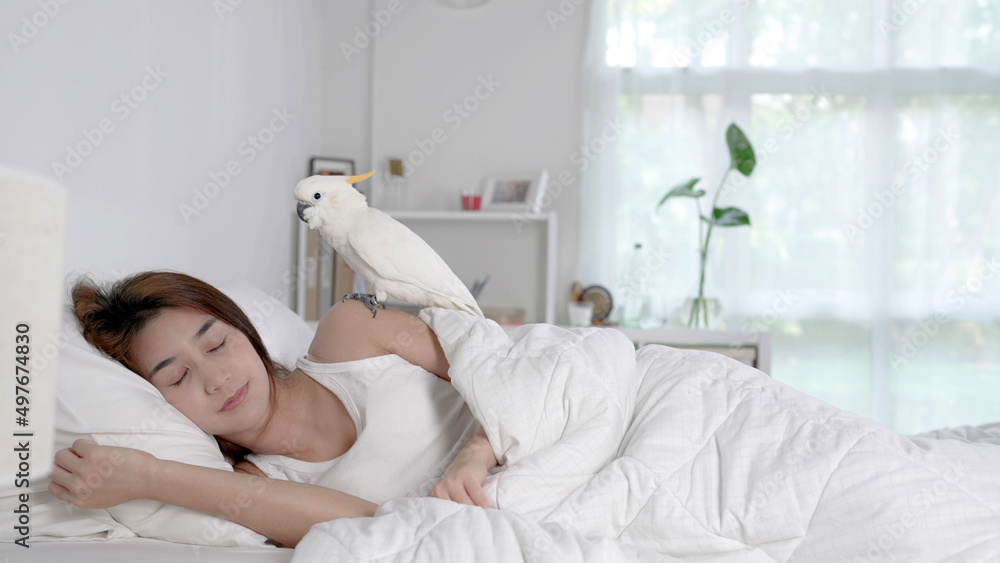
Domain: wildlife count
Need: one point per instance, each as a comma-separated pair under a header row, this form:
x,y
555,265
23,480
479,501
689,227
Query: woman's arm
x,y
92,476
348,332
463,481
414,341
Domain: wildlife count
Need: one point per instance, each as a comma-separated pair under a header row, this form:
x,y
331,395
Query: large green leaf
x,y
729,217
685,189
741,155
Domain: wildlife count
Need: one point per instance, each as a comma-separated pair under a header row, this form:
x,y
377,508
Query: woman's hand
x,y
93,476
89,475
463,481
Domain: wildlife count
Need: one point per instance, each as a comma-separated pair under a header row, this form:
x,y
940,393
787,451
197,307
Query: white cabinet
x,y
517,251
751,348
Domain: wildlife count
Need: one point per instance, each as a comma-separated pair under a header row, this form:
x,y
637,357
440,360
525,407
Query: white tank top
x,y
410,425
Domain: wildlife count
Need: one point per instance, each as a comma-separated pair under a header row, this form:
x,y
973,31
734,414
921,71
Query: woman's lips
x,y
236,400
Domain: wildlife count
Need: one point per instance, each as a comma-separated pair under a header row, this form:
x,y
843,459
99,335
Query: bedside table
x,y
751,348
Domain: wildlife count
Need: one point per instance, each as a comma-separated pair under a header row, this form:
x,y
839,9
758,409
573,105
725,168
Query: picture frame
x,y
331,166
515,192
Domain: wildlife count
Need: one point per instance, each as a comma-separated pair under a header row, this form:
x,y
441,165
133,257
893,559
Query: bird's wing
x,y
405,266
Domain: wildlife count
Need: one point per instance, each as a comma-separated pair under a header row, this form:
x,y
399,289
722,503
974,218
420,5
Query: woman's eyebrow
x,y
204,328
201,332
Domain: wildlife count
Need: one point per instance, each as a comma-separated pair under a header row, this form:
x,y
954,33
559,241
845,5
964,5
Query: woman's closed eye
x,y
186,371
182,378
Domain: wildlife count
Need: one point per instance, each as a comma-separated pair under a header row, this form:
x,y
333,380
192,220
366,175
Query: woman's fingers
x,y
464,492
459,495
450,490
447,489
59,473
62,493
71,458
93,476
477,495
67,459
83,446
63,484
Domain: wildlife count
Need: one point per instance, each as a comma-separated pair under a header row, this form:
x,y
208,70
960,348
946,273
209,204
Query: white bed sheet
x,y
130,550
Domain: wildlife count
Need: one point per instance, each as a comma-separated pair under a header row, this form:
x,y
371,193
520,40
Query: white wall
x,y
220,79
225,74
347,99
523,79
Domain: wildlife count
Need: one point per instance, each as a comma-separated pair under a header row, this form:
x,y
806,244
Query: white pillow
x,y
100,399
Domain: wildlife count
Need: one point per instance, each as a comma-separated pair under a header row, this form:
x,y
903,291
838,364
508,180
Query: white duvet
x,y
613,454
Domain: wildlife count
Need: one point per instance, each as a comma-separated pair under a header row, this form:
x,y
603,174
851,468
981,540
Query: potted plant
x,y
741,159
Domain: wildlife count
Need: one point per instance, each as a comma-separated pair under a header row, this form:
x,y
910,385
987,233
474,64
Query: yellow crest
x,y
356,179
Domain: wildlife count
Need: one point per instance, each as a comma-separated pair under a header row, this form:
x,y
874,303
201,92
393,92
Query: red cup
x,y
471,202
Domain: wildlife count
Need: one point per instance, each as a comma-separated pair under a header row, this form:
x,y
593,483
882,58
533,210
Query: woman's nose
x,y
216,378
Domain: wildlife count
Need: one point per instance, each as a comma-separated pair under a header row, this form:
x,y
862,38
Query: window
x,y
874,251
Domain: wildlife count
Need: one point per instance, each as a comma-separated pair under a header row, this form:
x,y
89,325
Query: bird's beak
x,y
301,210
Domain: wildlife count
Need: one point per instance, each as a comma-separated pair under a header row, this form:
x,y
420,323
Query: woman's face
x,y
206,369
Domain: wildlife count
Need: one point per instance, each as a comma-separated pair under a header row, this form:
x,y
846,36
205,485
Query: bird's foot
x,y
369,300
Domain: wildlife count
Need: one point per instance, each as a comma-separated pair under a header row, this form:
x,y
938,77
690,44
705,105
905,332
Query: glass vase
x,y
701,312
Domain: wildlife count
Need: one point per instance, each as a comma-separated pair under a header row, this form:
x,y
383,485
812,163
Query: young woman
x,y
367,415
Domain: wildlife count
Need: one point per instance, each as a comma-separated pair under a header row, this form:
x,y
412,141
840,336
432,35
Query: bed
x,y
610,454
613,454
130,550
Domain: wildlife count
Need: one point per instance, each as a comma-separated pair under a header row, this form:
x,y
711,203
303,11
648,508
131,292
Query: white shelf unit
x,y
752,348
505,245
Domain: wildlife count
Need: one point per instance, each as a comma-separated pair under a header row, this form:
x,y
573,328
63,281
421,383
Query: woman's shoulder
x,y
350,332
343,335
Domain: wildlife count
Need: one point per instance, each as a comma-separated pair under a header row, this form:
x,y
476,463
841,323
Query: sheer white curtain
x,y
874,251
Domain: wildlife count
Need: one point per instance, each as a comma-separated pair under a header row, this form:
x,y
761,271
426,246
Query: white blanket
x,y
612,454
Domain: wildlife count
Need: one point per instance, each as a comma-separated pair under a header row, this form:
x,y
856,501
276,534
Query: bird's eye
x,y
316,195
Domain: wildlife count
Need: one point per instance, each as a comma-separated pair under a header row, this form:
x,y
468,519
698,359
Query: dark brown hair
x,y
111,318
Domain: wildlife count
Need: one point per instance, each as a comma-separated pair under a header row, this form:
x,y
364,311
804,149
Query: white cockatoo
x,y
393,259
